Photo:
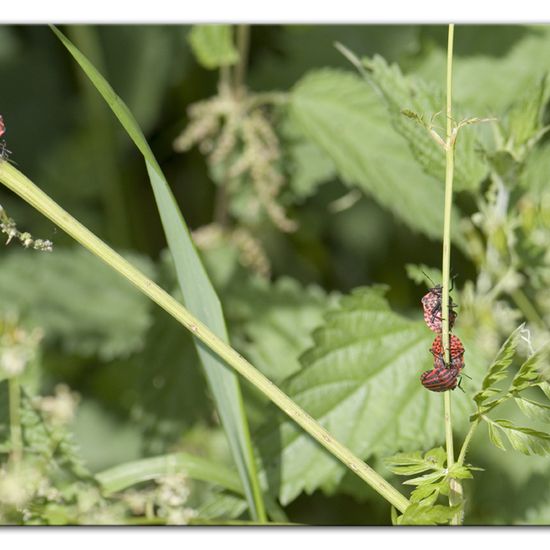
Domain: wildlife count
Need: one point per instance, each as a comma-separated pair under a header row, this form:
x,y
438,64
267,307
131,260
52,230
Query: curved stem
x,y
29,192
467,439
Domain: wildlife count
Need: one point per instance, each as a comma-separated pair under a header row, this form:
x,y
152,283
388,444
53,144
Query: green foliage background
x,y
350,356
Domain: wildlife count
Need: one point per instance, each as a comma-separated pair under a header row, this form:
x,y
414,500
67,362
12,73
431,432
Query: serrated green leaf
x,y
131,473
525,440
345,118
498,369
494,436
524,119
418,514
213,45
427,494
534,410
422,103
529,374
271,321
460,472
361,381
198,294
77,301
427,479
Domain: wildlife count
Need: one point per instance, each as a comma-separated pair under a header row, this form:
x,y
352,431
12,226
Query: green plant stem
x,y
467,440
15,421
29,192
455,495
243,40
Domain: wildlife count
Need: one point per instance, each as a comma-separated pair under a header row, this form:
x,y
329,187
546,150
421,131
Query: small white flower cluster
x,y
18,347
171,495
59,409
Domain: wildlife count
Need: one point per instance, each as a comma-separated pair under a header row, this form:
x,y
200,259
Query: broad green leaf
x,y
346,119
77,301
482,83
414,96
525,440
534,410
308,166
198,293
170,393
213,45
523,122
272,322
196,467
361,381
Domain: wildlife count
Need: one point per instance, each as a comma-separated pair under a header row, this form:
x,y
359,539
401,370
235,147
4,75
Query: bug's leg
x,y
459,385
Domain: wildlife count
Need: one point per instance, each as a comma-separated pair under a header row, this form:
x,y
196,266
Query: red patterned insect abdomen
x,y
440,379
2,126
431,303
456,350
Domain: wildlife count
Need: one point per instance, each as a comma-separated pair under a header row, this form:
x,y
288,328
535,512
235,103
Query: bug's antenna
x,y
428,277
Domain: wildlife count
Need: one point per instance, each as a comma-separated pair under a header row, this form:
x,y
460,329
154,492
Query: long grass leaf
x,y
198,294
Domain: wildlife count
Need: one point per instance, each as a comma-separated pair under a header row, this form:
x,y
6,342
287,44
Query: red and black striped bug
x,y
431,303
456,352
2,126
440,378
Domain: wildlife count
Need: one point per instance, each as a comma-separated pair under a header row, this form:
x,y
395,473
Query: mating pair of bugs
x,y
443,376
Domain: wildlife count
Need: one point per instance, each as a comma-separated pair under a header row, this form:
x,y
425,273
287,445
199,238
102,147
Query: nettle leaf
x,y
272,322
525,440
213,45
523,122
427,479
409,97
345,118
77,300
361,382
418,514
307,164
427,494
545,387
499,368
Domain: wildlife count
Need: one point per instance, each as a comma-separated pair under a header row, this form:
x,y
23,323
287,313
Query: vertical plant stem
x,y
467,439
15,421
455,495
243,39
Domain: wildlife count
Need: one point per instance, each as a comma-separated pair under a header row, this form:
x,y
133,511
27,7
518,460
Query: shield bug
x,y
440,379
456,352
431,303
